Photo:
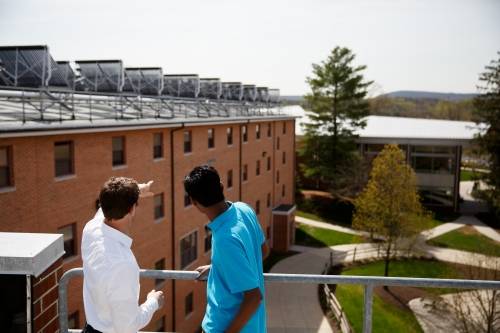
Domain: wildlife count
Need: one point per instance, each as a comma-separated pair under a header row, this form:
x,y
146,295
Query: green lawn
x,y
318,237
315,217
388,317
468,175
467,239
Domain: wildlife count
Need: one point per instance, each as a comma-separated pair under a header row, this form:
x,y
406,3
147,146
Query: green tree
x,y
389,206
488,112
337,108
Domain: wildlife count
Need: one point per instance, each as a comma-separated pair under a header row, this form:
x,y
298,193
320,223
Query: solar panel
x,y
181,85
63,75
26,66
232,91
249,92
263,94
210,88
101,75
144,80
274,95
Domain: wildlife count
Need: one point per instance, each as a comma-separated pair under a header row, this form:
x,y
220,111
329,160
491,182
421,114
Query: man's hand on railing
x,y
203,270
160,298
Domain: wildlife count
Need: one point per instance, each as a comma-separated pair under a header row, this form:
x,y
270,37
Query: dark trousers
x,y
89,329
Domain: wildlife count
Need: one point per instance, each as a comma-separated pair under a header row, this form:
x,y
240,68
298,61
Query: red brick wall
x,y
44,298
40,203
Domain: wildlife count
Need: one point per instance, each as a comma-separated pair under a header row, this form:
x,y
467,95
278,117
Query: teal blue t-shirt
x,y
237,240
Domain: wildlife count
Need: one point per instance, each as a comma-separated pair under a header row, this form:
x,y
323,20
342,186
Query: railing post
x,y
367,310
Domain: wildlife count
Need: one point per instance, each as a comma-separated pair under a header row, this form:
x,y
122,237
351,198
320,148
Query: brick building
x,y
52,172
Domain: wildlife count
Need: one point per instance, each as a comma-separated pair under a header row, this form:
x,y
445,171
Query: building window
x,y
257,207
159,325
230,179
69,238
244,133
211,138
118,150
159,206
187,200
257,131
257,167
159,266
277,177
187,141
245,172
283,190
277,143
269,130
63,155
268,201
73,320
158,145
283,158
229,133
208,239
188,304
284,127
268,232
268,163
189,249
6,170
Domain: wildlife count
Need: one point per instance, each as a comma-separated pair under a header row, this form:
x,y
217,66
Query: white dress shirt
x,y
111,280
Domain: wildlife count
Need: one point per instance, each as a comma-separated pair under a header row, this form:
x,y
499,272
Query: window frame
x,y
68,256
159,283
161,146
162,207
194,251
188,145
229,135
257,131
190,297
211,138
244,173
124,152
10,167
229,179
244,133
71,159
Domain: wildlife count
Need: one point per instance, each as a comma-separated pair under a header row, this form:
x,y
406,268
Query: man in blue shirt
x,y
235,286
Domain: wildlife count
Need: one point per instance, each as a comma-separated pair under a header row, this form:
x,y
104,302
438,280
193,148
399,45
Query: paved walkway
x,y
295,308
329,226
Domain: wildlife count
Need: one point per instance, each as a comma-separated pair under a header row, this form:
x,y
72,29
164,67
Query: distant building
x,y
433,148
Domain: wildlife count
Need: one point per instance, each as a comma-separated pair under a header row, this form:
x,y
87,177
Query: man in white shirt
x,y
111,274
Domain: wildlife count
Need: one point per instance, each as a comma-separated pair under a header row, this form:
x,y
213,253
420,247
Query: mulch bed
x,y
400,296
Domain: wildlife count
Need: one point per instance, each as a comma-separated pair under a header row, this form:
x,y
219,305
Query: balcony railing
x,y
369,282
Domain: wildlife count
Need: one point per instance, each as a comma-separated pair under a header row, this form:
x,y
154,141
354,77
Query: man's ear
x,y
132,210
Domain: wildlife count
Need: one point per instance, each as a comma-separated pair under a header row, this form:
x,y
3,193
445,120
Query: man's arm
x,y
127,316
250,304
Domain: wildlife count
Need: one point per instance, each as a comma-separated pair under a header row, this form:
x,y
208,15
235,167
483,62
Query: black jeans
x,y
89,329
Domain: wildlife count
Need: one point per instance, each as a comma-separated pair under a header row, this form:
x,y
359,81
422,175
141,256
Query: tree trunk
x,y
387,260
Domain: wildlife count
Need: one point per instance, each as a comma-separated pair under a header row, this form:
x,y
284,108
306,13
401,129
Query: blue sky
x,y
434,45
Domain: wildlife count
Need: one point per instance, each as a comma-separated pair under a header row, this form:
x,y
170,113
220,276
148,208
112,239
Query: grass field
x,y
388,317
467,239
468,175
318,237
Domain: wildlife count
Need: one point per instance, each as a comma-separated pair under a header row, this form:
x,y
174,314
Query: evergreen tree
x,y
389,206
337,108
488,112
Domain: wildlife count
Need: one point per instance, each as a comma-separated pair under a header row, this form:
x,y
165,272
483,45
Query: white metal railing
x,y
369,282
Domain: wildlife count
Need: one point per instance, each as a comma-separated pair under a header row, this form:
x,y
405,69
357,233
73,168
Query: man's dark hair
x,y
118,196
203,185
